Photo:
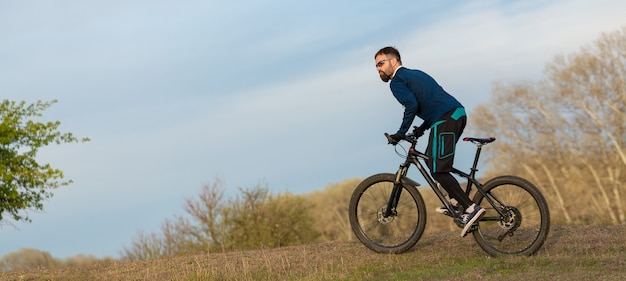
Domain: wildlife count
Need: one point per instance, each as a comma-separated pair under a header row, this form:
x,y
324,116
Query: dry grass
x,y
571,253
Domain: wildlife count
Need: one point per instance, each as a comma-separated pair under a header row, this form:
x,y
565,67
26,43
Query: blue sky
x,y
176,93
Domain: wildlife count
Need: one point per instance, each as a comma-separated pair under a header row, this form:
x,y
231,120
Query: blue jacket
x,y
421,96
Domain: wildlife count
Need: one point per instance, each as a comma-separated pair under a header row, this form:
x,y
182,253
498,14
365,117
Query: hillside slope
x,y
571,253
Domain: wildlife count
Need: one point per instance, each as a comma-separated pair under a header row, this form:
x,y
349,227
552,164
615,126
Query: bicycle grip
x,y
389,139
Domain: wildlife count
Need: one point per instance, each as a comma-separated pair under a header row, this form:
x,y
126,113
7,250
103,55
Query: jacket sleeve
x,y
404,95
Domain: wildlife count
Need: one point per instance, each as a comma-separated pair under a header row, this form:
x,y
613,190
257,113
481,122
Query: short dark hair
x,y
389,51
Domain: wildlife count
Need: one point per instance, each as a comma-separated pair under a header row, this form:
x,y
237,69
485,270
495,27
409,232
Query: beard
x,y
384,76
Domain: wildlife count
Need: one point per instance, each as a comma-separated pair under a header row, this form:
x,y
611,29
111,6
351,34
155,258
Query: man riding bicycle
x,y
423,97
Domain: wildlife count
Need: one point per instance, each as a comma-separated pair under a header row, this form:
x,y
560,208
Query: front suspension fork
x,y
394,197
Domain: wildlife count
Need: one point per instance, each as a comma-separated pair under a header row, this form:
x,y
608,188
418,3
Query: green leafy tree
x,y
24,182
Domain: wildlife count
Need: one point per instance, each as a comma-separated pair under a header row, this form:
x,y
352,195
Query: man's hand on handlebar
x,y
394,139
418,131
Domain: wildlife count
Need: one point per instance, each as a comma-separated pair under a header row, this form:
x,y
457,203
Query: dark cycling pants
x,y
444,135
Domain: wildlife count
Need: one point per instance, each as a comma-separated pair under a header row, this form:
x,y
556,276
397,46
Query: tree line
x,y
255,218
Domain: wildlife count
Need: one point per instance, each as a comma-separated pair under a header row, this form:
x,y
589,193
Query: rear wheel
x,y
395,233
523,228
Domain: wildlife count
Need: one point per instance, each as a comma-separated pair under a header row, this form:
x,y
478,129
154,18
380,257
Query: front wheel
x,y
394,233
521,226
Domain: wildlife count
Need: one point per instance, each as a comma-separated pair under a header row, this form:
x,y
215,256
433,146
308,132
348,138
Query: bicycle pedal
x,y
447,213
473,228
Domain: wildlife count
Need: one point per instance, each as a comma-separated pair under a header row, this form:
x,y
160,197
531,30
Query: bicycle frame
x,y
413,157
388,213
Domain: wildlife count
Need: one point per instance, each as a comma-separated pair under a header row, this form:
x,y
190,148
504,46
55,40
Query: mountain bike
x,y
388,214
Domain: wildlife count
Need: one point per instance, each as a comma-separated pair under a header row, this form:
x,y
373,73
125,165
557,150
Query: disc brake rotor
x,y
381,215
512,219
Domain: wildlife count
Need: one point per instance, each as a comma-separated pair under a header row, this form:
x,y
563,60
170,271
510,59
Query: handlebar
x,y
410,137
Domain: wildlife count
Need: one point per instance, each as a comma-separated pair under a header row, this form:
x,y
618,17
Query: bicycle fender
x,y
409,181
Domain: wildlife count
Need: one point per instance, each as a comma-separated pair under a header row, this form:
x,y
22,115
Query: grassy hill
x,y
570,253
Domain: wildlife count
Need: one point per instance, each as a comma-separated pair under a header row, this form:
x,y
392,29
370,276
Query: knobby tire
x,y
526,223
394,234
